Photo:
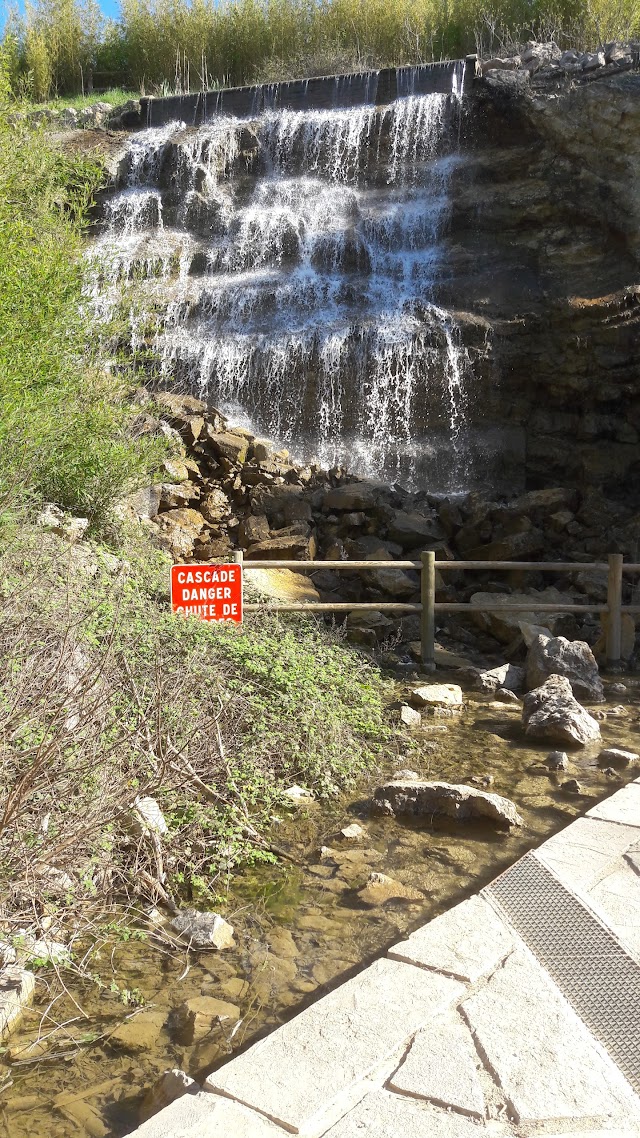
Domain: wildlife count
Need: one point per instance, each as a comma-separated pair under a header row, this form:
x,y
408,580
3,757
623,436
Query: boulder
x,y
147,817
145,503
253,529
410,529
505,676
215,506
179,530
230,447
396,582
409,716
557,656
511,546
283,585
458,801
138,1034
505,626
353,496
203,930
170,1086
353,833
293,547
198,1017
437,695
616,757
17,986
557,761
173,496
552,712
380,889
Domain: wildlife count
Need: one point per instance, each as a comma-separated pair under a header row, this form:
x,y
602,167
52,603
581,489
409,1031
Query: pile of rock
x,y
547,61
227,489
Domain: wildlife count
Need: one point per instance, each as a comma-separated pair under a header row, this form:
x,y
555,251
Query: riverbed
x,y
300,928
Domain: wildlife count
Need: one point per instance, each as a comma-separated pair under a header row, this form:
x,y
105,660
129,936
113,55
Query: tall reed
x,y
160,45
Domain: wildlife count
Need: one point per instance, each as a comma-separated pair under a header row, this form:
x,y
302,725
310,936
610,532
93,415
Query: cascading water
x,y
284,265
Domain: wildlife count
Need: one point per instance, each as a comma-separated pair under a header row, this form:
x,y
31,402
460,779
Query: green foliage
x,y
64,431
173,45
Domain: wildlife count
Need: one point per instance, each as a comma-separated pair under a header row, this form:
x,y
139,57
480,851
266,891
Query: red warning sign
x,y
211,592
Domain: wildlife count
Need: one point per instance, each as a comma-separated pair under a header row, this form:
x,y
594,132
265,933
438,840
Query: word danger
x,y
211,592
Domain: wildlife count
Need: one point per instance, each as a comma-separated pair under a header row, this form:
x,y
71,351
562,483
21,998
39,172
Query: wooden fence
x,y
428,606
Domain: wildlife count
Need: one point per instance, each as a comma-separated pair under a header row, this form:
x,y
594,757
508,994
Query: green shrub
x,y
64,430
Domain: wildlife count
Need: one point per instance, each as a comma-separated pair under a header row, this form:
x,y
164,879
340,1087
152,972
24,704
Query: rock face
x,y
461,802
557,656
552,712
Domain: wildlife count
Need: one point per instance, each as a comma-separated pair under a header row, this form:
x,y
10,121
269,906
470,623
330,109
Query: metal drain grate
x,y
587,963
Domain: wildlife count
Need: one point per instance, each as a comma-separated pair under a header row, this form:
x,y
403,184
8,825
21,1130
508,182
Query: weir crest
x,y
283,265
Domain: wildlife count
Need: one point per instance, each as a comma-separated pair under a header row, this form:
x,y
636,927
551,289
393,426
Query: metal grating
x,y
592,970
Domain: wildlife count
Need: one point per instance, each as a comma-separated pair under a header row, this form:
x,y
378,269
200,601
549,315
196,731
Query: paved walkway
x,y
517,1013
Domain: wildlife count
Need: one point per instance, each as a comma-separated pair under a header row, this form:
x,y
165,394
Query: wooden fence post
x,y
238,557
428,614
614,602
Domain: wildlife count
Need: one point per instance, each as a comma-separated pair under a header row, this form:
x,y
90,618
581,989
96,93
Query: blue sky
x,y
109,7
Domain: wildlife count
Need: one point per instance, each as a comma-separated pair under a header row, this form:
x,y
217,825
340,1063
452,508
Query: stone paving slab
x,y
585,851
203,1115
383,1115
442,1066
624,806
392,1053
542,1055
616,898
314,1068
467,942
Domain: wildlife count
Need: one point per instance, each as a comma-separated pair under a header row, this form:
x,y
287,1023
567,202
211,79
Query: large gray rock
x,y
552,712
557,656
457,801
505,676
203,930
505,624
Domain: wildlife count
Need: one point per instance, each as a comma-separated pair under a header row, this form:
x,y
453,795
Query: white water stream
x,y
284,266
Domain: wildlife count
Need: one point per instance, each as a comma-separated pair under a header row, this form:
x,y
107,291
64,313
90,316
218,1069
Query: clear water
x,y
316,902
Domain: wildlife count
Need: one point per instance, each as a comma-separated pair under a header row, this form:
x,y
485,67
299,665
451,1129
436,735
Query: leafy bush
x,y
64,431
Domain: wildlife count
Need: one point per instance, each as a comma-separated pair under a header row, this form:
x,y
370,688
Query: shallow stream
x,y
299,928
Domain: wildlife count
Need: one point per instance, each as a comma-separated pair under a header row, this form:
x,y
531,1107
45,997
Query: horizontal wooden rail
x,y
428,606
525,566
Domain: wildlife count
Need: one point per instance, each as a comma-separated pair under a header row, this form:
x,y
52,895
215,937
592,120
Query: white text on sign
x,y
210,592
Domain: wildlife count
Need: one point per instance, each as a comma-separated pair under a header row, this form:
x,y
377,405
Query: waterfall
x,y
284,266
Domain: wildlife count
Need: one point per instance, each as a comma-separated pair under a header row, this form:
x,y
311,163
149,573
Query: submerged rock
x,y
171,1085
557,761
453,800
380,888
198,1017
615,756
557,656
552,712
139,1033
203,930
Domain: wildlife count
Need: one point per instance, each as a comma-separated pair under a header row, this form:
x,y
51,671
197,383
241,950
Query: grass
x,y
161,45
106,696
114,97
